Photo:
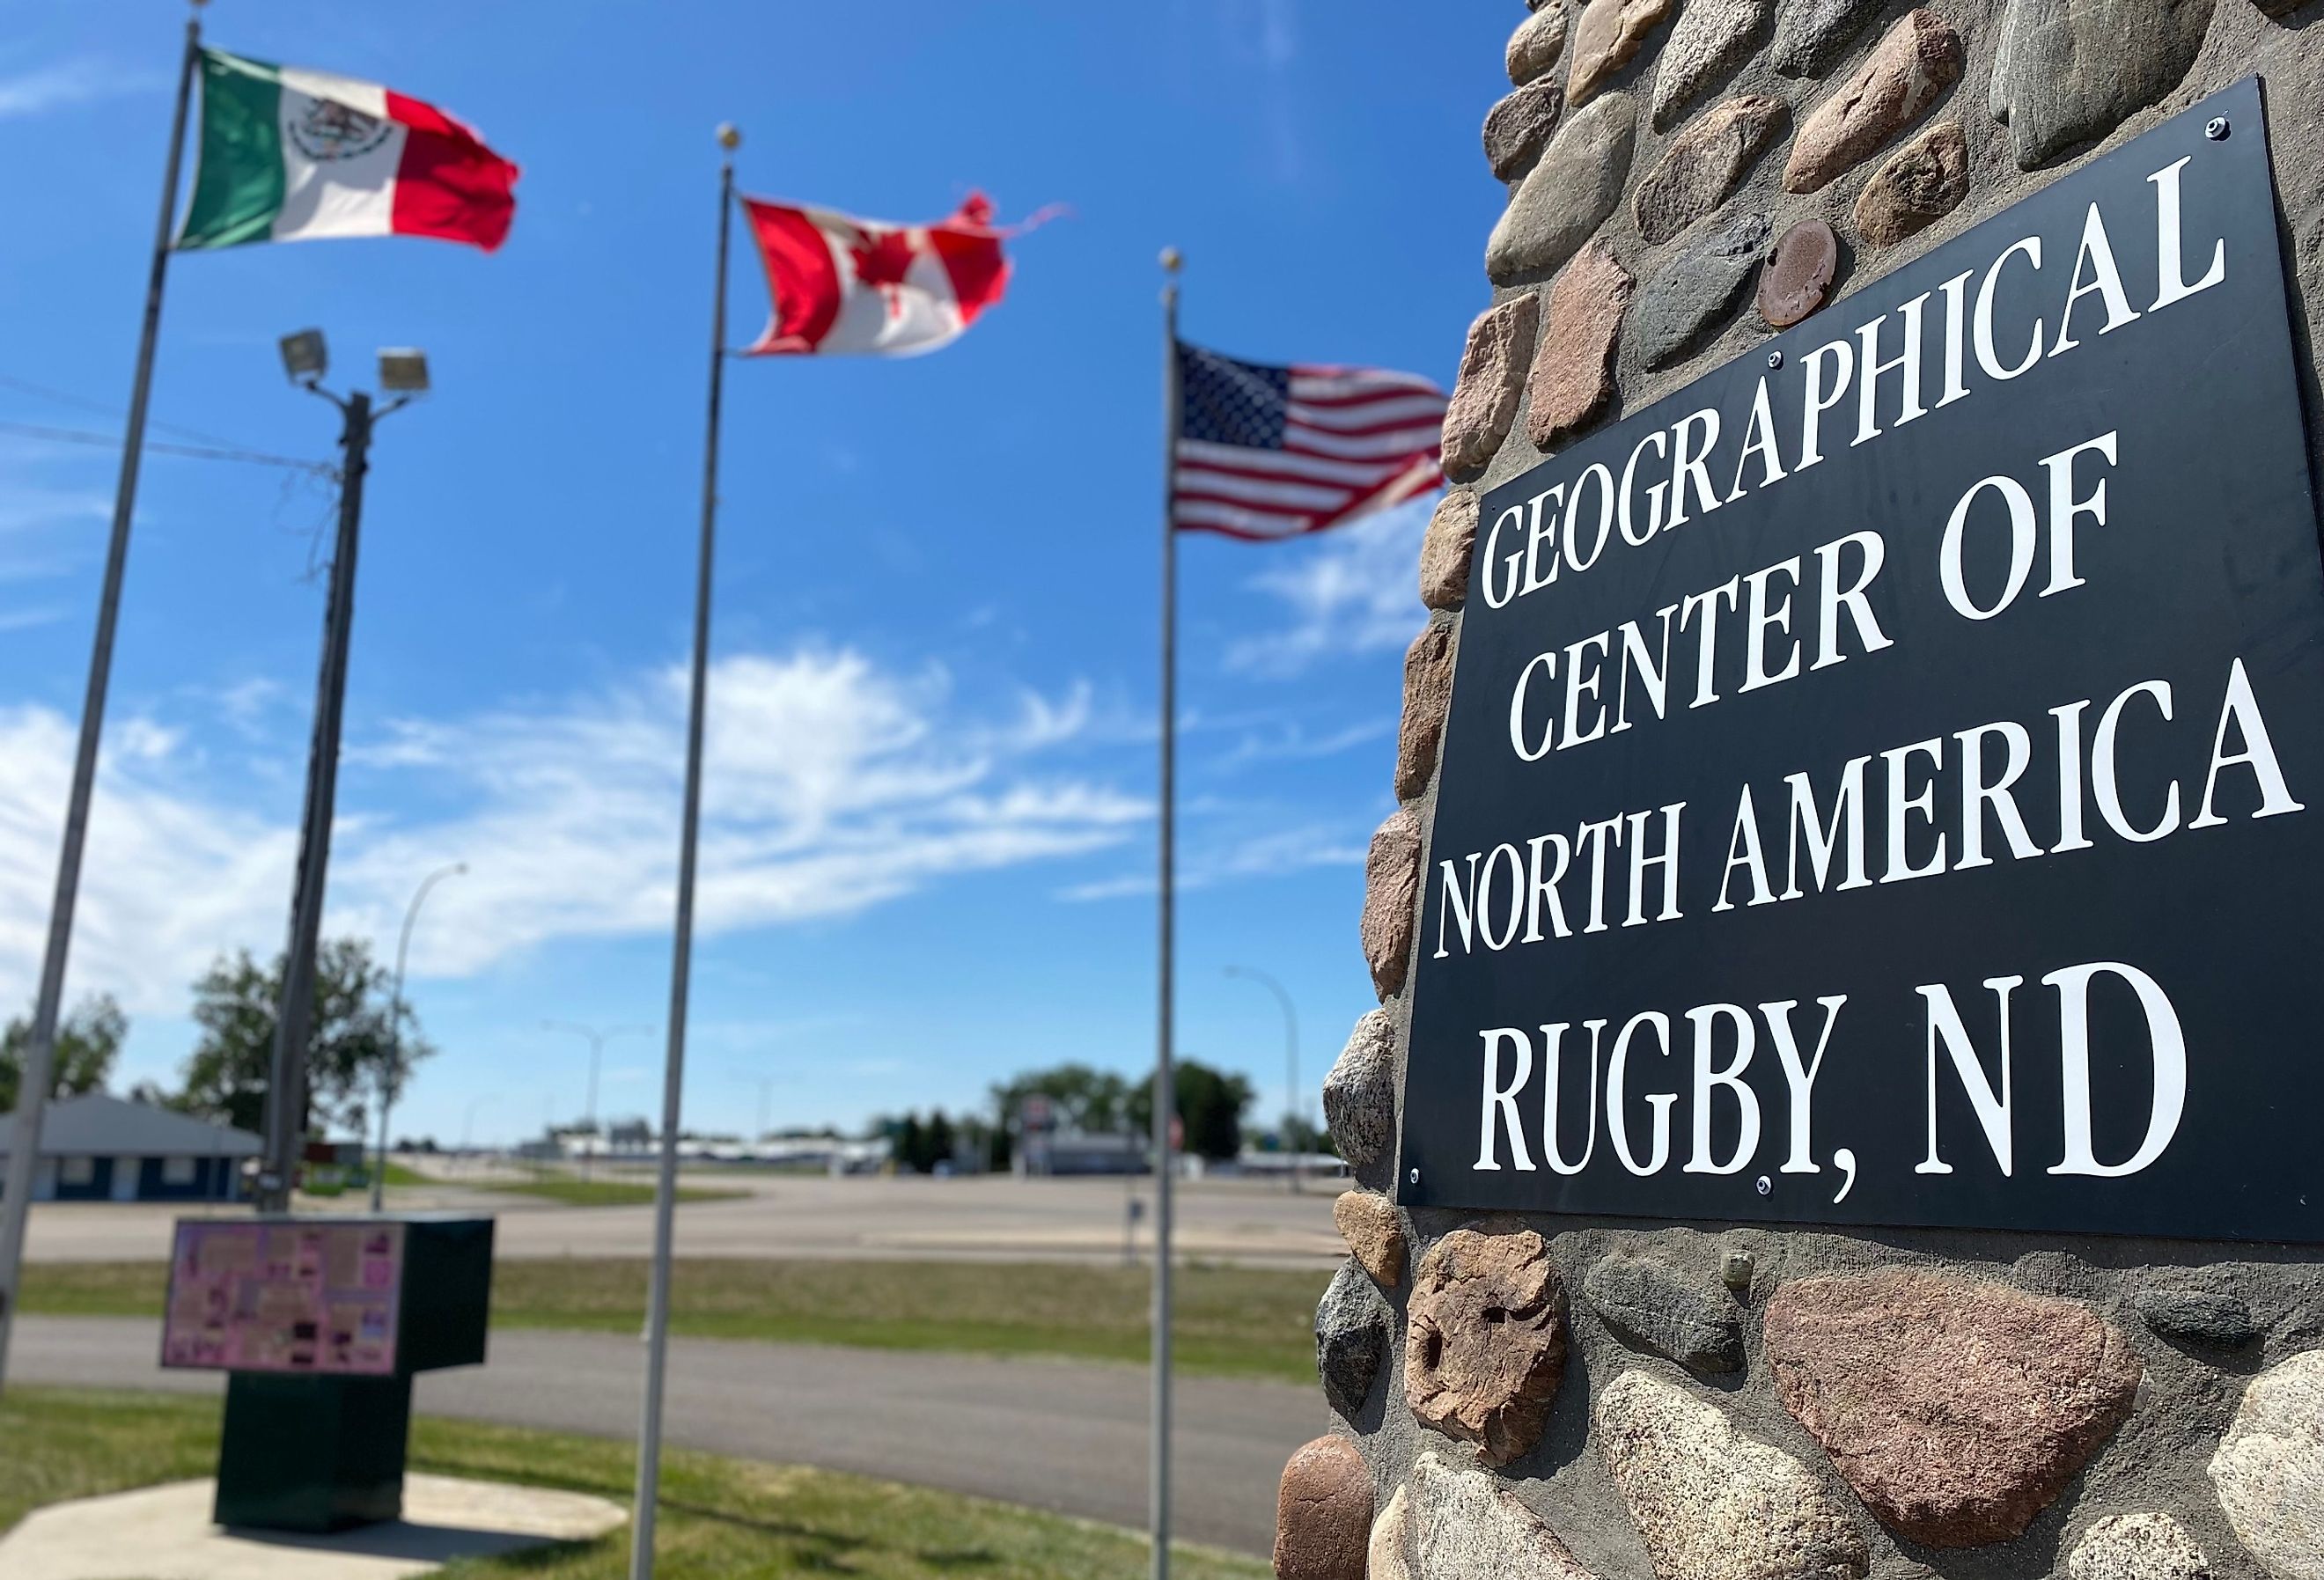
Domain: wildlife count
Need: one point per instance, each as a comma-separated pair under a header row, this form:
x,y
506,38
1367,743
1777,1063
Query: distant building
x,y
1041,1153
100,1148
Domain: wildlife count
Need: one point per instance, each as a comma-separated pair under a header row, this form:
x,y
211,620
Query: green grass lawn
x,y
720,1518
594,1192
1229,1321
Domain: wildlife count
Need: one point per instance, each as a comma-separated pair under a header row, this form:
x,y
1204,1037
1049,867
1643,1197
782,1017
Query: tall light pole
x,y
766,1085
391,1076
468,1119
1290,1057
402,373
597,1039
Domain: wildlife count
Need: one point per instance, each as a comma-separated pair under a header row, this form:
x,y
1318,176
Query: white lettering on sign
x,y
1734,747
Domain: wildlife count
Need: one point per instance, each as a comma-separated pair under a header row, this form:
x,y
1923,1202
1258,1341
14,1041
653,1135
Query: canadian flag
x,y
845,285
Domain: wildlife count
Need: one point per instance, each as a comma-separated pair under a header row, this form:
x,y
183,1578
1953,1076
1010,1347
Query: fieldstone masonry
x,y
1721,1403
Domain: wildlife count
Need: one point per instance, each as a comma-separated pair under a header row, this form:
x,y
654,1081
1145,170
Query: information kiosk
x,y
321,1324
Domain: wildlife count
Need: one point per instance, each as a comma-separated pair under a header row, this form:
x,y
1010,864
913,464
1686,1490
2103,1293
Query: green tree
x,y
910,1144
938,1141
1211,1105
1300,1136
88,1040
1081,1097
351,1047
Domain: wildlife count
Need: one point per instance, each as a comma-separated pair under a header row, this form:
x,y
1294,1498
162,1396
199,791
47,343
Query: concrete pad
x,y
164,1533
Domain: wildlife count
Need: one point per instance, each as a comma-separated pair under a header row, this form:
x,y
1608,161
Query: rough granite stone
x,y
2199,1317
1677,309
1712,1504
2269,1471
1914,187
1492,377
1736,1266
1996,83
1651,1304
1609,33
1573,370
1368,1221
1360,1094
1957,1412
1811,34
1427,693
1800,267
1391,890
1703,164
1484,1342
1390,1550
2137,1546
1446,549
1352,1338
1324,1513
1568,194
1709,37
1917,59
1534,47
2071,72
1466,1526
1518,128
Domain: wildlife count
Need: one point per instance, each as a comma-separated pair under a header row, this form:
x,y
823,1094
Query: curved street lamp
x,y
391,1076
1290,1057
597,1039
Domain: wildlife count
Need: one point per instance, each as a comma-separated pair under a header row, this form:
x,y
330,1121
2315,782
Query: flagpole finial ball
x,y
1171,260
730,136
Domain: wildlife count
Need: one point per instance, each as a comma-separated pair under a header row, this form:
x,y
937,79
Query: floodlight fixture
x,y
403,370
304,358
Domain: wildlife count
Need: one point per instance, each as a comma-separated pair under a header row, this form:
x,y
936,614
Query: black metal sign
x,y
1885,781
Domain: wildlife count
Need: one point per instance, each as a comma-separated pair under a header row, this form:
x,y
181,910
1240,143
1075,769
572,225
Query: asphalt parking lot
x,y
1244,1221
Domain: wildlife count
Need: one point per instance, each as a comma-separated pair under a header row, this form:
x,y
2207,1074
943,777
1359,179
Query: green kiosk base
x,y
312,1454
321,1324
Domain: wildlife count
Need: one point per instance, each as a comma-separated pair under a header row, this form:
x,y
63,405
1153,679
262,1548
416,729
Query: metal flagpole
x,y
39,1061
1165,1104
642,1523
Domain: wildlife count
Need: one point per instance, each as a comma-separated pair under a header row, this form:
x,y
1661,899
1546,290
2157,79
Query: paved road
x,y
1063,1436
1246,1222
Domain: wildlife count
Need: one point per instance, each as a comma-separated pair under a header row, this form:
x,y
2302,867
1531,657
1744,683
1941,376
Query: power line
x,y
198,452
82,403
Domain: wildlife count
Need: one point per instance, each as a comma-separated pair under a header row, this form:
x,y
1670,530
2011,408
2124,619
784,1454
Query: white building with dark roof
x,y
101,1147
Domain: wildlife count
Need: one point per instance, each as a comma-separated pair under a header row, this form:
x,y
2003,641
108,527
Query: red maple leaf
x,y
883,261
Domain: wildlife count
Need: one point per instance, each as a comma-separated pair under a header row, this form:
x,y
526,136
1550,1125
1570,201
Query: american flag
x,y
1275,452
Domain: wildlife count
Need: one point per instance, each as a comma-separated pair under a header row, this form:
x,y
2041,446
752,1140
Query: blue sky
x,y
928,859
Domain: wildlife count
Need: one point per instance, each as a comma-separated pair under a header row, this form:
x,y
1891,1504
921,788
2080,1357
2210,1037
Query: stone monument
x,y
1812,1391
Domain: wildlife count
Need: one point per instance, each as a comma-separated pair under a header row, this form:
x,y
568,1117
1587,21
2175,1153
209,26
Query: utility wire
x,y
211,448
66,398
198,452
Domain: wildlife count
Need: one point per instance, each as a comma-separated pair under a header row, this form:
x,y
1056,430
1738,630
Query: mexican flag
x,y
289,155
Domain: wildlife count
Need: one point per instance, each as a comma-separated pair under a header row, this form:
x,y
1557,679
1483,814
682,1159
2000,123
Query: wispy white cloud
x,y
61,83
170,878
1352,591
832,786
29,619
1274,854
1294,743
1261,37
246,705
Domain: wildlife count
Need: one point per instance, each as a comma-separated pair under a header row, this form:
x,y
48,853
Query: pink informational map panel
x,y
285,1296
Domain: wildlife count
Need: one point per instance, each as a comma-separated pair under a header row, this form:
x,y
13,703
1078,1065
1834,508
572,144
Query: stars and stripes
x,y
1275,452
